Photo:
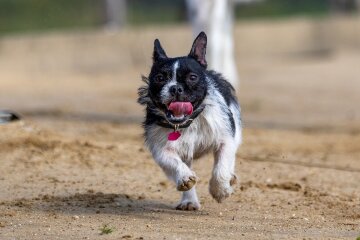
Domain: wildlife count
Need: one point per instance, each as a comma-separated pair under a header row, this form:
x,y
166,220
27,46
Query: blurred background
x,y
298,61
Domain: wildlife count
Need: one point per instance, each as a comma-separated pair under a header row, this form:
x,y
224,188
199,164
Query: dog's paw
x,y
222,189
186,183
188,206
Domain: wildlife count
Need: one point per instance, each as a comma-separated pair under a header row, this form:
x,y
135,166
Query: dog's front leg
x,y
189,200
175,169
182,175
223,176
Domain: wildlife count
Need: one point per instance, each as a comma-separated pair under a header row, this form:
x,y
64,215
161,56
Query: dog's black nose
x,y
176,90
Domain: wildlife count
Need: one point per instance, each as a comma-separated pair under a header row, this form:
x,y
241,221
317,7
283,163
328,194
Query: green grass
x,y
28,15
271,9
106,229
142,12
40,15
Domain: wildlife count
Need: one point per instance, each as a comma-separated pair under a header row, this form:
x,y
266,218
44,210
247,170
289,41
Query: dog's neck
x,y
164,123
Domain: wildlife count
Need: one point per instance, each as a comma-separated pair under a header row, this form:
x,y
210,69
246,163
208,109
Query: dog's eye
x,y
193,77
159,78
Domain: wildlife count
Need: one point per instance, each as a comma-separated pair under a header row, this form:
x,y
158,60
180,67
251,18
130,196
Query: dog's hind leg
x,y
189,201
223,176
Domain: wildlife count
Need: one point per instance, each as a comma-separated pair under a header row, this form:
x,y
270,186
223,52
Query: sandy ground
x,y
77,161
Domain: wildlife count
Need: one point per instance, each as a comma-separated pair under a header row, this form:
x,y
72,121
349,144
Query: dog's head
x,y
177,86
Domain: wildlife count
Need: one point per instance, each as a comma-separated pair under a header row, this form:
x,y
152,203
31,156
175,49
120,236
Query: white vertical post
x,y
115,14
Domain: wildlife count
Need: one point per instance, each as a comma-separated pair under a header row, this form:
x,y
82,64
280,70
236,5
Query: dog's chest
x,y
203,135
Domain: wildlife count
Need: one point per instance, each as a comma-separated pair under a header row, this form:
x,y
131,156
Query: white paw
x,y
188,206
186,183
220,189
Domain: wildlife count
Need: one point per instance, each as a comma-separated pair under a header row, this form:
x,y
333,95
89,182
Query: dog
x,y
191,111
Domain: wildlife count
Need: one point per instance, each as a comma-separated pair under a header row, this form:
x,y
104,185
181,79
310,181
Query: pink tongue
x,y
180,108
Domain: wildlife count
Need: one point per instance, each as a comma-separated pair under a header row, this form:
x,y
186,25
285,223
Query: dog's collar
x,y
165,123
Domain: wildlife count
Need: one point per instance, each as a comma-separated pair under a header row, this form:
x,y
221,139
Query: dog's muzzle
x,y
183,121
179,112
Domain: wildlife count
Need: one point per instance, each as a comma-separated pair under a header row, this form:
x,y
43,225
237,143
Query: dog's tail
x,y
8,116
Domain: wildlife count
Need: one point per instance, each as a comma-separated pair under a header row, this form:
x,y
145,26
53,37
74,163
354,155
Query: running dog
x,y
191,111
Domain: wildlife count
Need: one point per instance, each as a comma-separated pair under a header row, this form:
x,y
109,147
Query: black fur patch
x,y
224,87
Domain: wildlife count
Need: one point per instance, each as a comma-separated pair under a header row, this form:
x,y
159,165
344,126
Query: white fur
x,y
210,131
165,93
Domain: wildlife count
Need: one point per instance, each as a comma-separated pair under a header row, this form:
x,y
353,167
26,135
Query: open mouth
x,y
179,112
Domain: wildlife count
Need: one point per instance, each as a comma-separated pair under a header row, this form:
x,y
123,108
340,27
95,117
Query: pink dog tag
x,y
173,136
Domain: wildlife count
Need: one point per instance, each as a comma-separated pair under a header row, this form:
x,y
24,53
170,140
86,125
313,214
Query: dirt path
x,y
68,180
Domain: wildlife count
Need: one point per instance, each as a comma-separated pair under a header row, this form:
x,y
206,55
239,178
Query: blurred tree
x,y
344,6
142,12
283,8
39,15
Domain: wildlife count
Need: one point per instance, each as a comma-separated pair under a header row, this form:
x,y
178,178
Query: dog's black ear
x,y
159,52
198,50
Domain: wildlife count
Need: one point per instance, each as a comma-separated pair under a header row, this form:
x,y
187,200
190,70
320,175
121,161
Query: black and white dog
x,y
191,111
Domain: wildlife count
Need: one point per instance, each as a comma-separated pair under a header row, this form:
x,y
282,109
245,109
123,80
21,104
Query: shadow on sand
x,y
94,203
